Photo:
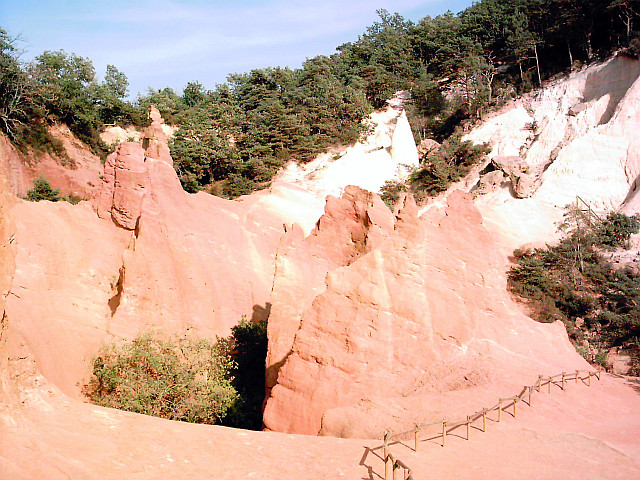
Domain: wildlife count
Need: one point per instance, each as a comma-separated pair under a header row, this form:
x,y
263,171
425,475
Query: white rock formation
x,y
581,134
386,154
403,147
115,135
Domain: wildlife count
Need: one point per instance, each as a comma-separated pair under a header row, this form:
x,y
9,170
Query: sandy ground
x,y
580,433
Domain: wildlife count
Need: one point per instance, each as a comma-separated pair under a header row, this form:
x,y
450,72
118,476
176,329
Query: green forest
x,y
232,139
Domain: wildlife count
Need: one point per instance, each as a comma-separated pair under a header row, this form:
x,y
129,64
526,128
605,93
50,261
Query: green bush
x,y
391,191
242,132
42,191
73,199
445,165
616,230
37,137
528,277
236,185
176,378
437,171
574,280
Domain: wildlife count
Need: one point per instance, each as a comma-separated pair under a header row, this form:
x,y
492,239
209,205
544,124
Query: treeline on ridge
x,y
232,139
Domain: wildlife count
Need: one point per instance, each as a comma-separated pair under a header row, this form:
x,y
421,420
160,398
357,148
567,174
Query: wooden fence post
x,y
391,465
444,431
385,455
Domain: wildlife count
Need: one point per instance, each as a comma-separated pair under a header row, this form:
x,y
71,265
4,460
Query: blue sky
x,y
169,42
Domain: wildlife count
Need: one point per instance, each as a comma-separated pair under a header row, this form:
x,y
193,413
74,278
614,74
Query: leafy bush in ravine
x,y
176,378
186,379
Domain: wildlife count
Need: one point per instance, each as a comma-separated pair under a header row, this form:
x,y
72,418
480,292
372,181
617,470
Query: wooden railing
x,y
586,210
393,465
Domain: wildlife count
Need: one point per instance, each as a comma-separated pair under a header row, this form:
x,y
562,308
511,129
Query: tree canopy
x,y
233,138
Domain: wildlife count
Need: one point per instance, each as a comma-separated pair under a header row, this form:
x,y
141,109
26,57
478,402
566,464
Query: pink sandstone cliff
x,y
352,226
78,174
424,308
380,322
584,432
155,257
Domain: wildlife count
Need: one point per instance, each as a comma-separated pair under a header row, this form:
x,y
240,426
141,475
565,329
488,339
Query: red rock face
x,y
195,261
78,175
427,299
352,226
156,258
154,140
7,237
126,179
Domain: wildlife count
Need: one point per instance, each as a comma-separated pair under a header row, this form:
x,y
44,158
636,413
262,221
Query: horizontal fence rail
x,y
393,465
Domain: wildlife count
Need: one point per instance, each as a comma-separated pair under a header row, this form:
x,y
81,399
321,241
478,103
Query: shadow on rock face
x,y
599,83
260,313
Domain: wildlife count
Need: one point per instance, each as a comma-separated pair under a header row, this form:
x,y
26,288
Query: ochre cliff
x,y
77,173
7,236
378,320
423,309
154,257
352,226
